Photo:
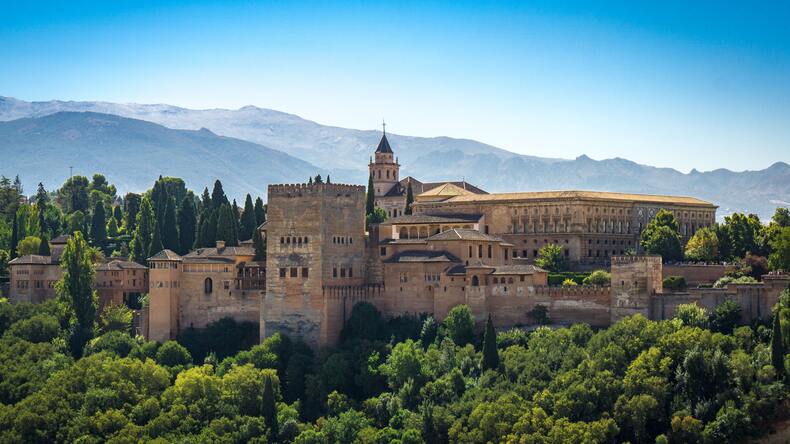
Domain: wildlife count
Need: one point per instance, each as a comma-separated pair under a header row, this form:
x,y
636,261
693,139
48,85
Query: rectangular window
x,y
383,251
480,251
282,272
350,272
342,272
334,272
304,272
293,272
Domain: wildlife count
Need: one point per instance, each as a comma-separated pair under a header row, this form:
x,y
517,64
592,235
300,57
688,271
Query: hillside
x,y
346,152
133,153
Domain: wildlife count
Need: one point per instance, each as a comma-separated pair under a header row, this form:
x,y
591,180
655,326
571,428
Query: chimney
x,y
220,244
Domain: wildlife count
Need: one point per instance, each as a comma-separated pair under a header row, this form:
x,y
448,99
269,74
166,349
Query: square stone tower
x,y
635,279
315,240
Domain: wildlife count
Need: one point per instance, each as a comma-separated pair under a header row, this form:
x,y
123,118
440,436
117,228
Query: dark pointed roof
x,y
384,145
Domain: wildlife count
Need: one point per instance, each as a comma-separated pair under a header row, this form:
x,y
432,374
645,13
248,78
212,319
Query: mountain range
x,y
250,147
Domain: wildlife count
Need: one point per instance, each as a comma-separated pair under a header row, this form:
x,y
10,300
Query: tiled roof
x,y
120,265
396,191
430,219
444,190
384,145
165,255
31,259
518,269
582,195
419,187
404,241
243,250
62,239
464,234
422,256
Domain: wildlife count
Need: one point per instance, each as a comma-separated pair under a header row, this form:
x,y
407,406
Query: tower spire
x,y
383,127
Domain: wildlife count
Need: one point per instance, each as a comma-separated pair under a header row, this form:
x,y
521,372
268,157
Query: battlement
x,y
625,260
579,291
301,189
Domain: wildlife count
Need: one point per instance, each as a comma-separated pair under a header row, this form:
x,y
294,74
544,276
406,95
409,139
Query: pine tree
x,y
156,241
186,225
42,197
98,225
260,246
248,225
269,409
43,247
490,352
218,197
777,348
260,212
170,228
409,199
370,204
146,224
14,236
75,289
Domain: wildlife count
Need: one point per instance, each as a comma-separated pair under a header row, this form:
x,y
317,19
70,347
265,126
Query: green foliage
x,y
227,229
490,352
779,259
726,317
98,225
116,342
260,212
37,328
248,221
569,283
75,289
170,236
28,245
376,217
777,348
552,258
556,279
259,244
661,237
726,280
116,318
703,246
539,314
459,325
675,283
268,408
370,202
601,278
172,354
225,337
692,315
409,199
144,232
743,235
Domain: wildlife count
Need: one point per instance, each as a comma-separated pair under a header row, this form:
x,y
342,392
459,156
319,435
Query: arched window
x,y
404,233
208,286
475,281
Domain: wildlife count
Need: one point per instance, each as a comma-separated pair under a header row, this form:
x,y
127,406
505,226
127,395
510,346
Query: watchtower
x,y
315,239
635,279
384,168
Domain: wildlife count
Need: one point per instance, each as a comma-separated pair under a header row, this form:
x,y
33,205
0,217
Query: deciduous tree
x,y
75,289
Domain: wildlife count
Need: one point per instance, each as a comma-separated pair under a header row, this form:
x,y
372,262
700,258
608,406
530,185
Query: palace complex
x,y
459,245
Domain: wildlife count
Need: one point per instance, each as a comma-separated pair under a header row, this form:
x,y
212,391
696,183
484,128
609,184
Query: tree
x,y
743,233
661,237
259,243
269,407
318,179
692,315
378,216
75,289
226,227
370,202
131,204
490,352
116,317
725,317
14,236
186,225
703,246
170,238
218,197
144,232
779,259
173,354
156,241
98,226
112,228
409,199
260,212
459,325
117,214
600,278
777,347
248,221
73,195
675,283
28,245
551,258
43,247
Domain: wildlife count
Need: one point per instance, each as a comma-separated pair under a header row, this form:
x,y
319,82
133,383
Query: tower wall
x,y
315,239
163,294
635,279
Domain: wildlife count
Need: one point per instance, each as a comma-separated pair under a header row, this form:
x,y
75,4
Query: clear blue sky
x,y
677,84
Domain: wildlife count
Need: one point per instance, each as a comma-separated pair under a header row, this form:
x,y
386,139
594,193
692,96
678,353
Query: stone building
x,y
120,282
202,287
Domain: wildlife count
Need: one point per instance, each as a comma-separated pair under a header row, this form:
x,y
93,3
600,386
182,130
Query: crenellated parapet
x,y
316,189
627,260
580,291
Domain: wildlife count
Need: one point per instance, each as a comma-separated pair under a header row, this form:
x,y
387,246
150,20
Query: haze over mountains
x,y
262,146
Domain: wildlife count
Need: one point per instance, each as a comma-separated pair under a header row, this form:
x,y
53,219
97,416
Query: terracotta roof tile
x,y
581,195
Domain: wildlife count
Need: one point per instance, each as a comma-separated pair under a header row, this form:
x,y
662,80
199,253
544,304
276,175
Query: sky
x,y
685,85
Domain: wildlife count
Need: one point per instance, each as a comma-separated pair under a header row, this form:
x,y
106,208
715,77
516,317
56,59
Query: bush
x,y
171,354
692,315
556,279
569,283
38,328
115,342
675,283
727,280
601,278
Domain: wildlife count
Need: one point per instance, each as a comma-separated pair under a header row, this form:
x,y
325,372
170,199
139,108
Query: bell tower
x,y
383,167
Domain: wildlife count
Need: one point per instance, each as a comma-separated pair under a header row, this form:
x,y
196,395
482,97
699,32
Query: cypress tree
x,y
247,226
310,180
235,219
43,247
131,203
269,409
260,246
210,233
370,204
170,226
118,215
318,179
98,227
186,225
226,229
218,197
205,199
328,180
159,199
112,228
777,348
260,212
14,236
146,224
409,199
75,288
490,352
156,241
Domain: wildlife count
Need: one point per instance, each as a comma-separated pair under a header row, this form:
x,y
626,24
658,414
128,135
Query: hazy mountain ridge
x,y
133,153
346,152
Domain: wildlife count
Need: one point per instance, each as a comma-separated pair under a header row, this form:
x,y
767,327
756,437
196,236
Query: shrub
x,y
600,278
38,328
115,342
569,283
727,280
171,354
692,315
675,283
